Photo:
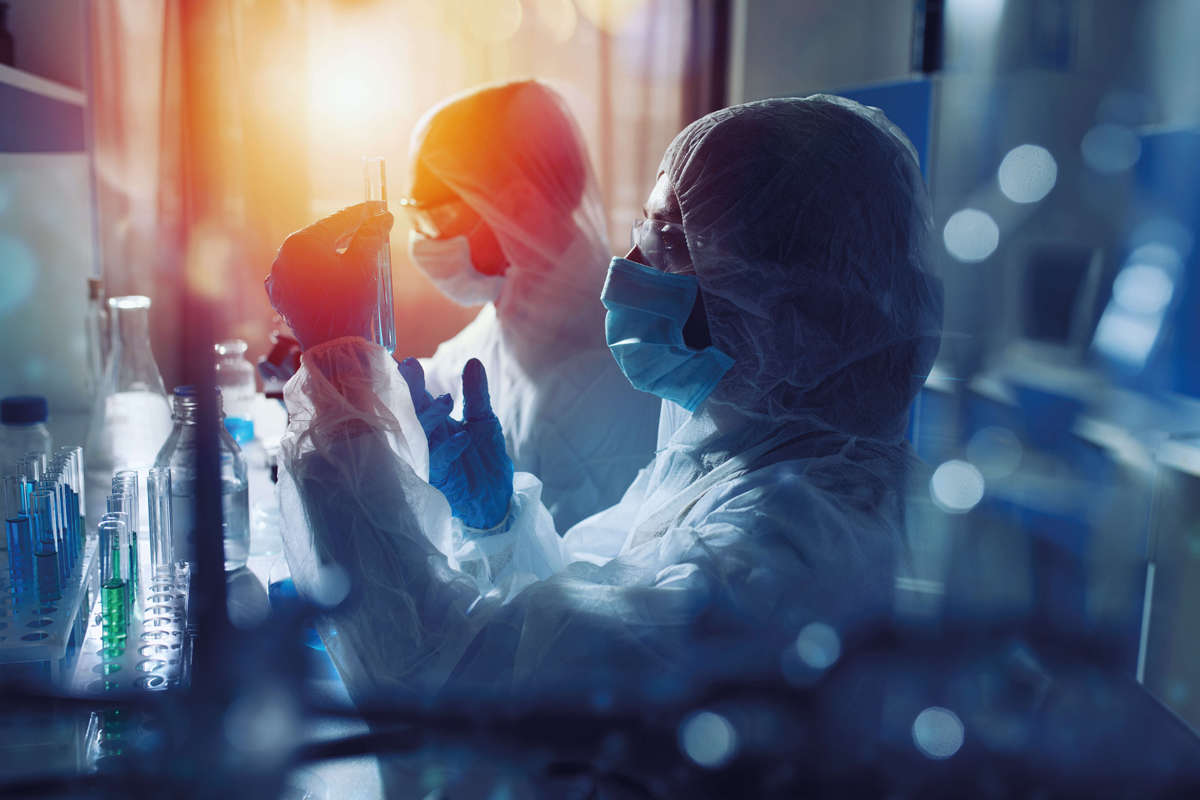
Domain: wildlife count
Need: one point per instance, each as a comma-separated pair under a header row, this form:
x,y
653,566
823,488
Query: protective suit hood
x,y
514,154
823,296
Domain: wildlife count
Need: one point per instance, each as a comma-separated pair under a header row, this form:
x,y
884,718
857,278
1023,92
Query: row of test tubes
x,y
159,599
43,514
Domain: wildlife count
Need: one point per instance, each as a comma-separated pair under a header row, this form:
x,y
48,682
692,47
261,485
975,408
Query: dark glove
x,y
323,280
468,462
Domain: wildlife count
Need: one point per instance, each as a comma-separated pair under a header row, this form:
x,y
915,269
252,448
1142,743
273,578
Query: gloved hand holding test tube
x,y
334,278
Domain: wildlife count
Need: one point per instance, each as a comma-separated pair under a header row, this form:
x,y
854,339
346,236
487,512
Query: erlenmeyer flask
x,y
131,418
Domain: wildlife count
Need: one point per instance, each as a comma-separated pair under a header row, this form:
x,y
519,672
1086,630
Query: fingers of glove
x,y
410,369
435,418
338,224
370,237
477,403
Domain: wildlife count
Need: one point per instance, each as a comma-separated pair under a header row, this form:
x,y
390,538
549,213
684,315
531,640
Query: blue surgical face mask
x,y
644,329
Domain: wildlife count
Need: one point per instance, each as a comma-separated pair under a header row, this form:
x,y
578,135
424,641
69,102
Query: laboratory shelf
x,y
41,116
43,87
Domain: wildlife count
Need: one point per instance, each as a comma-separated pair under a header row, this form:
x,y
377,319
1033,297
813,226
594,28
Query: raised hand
x,y
323,281
468,461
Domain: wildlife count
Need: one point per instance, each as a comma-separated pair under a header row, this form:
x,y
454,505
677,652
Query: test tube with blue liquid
x,y
53,525
72,460
19,530
383,323
69,551
45,548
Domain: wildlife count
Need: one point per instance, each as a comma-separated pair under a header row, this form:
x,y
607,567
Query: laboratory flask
x,y
383,323
178,455
131,417
22,429
235,379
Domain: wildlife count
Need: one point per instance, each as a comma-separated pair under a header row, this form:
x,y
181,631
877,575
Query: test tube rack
x,y
39,641
152,657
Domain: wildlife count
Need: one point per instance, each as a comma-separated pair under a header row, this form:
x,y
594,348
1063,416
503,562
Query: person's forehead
x,y
662,202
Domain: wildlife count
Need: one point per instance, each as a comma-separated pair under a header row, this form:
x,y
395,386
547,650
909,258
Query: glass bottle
x,y
383,323
235,378
22,429
131,418
178,454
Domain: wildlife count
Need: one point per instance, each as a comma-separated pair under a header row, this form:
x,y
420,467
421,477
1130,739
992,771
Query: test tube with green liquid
x,y
114,581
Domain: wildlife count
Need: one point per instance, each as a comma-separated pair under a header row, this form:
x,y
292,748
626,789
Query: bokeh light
x,y
818,645
938,732
1109,148
1143,288
956,486
559,18
1027,173
610,15
971,235
493,21
995,451
708,739
18,273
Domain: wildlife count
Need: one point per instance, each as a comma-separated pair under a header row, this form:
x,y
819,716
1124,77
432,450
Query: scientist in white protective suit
x,y
777,301
505,213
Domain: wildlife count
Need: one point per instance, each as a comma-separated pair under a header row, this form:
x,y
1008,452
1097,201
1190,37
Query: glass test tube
x,y
45,548
122,504
114,582
19,529
65,517
126,482
158,502
53,522
383,323
73,458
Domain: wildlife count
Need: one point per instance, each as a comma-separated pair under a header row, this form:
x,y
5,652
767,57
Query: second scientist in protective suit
x,y
506,212
777,301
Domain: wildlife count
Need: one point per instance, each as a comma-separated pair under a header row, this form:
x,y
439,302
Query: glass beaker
x,y
383,323
131,418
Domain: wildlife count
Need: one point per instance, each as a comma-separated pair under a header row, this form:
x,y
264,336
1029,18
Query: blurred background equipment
x,y
154,155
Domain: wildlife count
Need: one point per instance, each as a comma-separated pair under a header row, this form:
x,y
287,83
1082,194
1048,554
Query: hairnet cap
x,y
807,219
488,133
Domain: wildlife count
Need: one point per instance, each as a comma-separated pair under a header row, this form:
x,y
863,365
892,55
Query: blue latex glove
x,y
468,462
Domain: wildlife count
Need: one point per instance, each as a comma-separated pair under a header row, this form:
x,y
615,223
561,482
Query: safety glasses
x,y
440,220
663,244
